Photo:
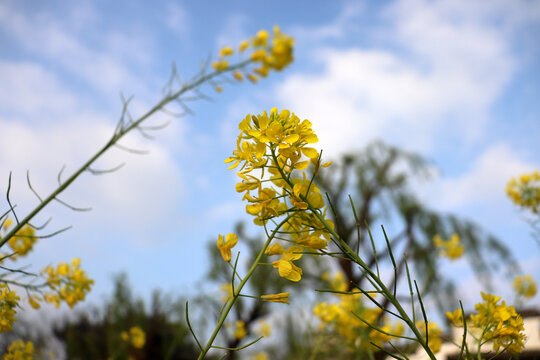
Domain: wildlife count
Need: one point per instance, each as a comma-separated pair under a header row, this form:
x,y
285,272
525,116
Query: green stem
x,y
239,289
113,141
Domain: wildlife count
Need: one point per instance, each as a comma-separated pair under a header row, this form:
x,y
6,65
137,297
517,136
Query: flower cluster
x,y
525,286
20,350
496,323
347,319
135,337
525,191
271,149
23,241
452,249
8,302
269,52
68,282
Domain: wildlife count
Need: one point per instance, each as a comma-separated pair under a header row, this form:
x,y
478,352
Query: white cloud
x,y
442,68
333,30
26,89
44,126
143,192
178,19
485,181
106,66
233,31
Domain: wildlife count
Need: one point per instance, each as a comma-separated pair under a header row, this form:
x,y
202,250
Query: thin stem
x,y
239,288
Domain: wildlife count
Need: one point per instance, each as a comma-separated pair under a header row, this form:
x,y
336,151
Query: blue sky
x,y
456,81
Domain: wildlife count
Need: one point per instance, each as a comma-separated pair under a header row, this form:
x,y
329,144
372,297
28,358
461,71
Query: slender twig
x,y
59,177
190,328
71,206
11,208
31,187
237,348
106,171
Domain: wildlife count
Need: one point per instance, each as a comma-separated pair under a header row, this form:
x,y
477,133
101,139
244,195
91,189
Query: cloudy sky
x,y
456,81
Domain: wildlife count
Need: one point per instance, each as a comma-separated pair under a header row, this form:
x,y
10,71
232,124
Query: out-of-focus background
x,y
454,81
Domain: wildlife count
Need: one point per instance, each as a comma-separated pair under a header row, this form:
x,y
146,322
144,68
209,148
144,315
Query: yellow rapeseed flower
x,y
226,244
68,283
8,302
279,144
252,78
456,317
238,75
434,335
498,323
261,38
274,249
243,46
23,241
285,265
226,51
524,191
220,65
280,297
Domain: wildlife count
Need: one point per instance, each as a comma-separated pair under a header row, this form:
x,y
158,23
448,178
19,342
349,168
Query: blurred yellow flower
x,y
452,249
496,322
264,329
260,356
240,330
525,286
20,350
8,302
238,75
243,46
220,65
135,337
524,191
226,51
68,283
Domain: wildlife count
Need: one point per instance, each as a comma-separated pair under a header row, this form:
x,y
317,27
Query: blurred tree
x,y
96,332
377,182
